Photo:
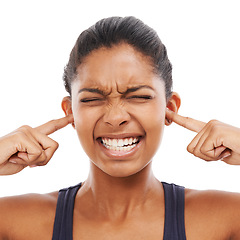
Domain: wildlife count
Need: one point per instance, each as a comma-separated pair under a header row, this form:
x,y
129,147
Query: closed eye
x,y
86,100
140,97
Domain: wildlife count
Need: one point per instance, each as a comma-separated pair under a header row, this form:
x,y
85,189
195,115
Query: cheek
x,y
153,117
153,123
85,122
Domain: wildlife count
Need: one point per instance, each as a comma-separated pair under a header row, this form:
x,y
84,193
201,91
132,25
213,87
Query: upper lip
x,y
120,135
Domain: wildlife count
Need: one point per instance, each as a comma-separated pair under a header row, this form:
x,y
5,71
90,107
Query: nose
x,y
116,116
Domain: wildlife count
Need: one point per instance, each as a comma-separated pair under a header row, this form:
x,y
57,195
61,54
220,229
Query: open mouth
x,y
120,144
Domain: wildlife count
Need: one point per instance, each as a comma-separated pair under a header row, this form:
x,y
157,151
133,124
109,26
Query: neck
x,y
121,195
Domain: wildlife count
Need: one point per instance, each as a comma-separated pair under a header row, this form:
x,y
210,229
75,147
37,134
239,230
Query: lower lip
x,y
120,154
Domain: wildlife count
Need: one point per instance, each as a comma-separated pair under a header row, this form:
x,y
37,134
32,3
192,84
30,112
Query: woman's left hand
x,y
214,140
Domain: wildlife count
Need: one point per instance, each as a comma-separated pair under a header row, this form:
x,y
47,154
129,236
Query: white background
x,y
202,38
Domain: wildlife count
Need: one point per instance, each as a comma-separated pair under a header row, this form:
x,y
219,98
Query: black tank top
x,y
174,226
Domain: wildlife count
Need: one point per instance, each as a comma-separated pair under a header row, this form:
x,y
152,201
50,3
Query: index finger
x,y
54,125
187,122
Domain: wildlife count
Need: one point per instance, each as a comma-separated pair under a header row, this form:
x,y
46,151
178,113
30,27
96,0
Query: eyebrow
x,y
93,90
136,88
129,90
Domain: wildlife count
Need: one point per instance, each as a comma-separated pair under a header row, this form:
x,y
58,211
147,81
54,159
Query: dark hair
x,y
112,31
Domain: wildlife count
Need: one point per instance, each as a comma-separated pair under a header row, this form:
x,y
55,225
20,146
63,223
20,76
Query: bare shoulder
x,y
212,214
29,216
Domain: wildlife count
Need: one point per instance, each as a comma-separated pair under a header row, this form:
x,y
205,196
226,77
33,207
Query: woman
x,y
119,82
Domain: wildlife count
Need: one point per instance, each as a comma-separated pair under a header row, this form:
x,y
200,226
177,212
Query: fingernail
x,y
227,155
12,161
32,166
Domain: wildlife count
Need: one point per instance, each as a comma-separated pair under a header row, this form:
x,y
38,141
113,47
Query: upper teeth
x,y
119,142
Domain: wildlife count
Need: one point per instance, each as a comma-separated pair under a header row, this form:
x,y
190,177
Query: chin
x,y
122,170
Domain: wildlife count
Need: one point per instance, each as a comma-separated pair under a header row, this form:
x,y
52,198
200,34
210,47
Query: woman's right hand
x,y
28,146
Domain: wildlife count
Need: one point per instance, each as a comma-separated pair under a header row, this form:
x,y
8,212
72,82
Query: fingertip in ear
x,y
168,121
73,125
67,107
173,105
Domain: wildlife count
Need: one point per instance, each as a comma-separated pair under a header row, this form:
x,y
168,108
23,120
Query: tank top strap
x,y
63,224
174,226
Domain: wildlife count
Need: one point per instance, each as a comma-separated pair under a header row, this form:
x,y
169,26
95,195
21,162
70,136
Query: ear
x,y
67,107
173,104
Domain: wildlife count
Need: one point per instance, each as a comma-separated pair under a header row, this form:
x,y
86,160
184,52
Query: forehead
x,y
120,67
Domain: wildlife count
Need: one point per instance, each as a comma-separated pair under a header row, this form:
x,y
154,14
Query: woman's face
x,y
118,105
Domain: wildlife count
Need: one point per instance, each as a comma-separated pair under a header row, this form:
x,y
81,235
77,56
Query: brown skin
x,y
121,198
